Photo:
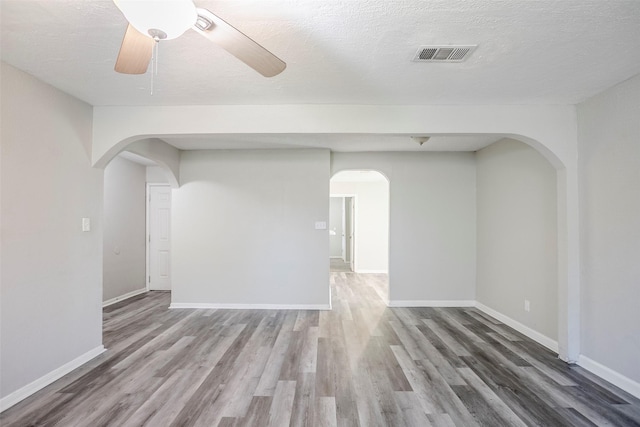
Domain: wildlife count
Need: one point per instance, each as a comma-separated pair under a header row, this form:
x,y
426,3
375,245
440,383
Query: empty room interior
x,y
321,213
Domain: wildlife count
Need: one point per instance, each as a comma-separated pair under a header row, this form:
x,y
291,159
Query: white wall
x,y
124,262
371,223
156,175
432,246
609,155
517,235
51,270
243,228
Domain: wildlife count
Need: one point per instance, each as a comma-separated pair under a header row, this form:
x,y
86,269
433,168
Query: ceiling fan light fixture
x,y
154,20
154,17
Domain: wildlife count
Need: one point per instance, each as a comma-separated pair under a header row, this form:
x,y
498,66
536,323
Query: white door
x,y
159,237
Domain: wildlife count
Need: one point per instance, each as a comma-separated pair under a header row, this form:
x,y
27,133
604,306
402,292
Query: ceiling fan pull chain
x,y
154,64
157,47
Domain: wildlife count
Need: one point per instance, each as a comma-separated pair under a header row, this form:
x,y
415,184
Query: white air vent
x,y
443,53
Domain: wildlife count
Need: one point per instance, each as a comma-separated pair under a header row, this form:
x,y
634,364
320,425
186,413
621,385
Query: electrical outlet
x,y
527,305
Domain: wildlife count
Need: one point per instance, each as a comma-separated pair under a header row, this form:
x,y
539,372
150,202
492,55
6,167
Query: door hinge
x,y
149,279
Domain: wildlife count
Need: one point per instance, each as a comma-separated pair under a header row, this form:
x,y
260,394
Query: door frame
x,y
342,249
353,220
343,239
147,239
350,240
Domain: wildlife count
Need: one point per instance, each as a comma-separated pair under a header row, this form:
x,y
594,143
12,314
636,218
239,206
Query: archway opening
x,y
557,145
128,264
359,226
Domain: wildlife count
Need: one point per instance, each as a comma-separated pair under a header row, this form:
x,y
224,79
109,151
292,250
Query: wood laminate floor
x,y
361,364
338,265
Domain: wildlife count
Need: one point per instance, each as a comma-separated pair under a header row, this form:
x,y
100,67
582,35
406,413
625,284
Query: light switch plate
x,y
321,225
86,224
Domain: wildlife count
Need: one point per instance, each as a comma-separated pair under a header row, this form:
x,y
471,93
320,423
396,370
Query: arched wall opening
x,y
128,180
568,307
550,129
158,153
359,238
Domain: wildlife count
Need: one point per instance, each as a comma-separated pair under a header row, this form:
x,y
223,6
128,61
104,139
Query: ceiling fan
x,y
151,21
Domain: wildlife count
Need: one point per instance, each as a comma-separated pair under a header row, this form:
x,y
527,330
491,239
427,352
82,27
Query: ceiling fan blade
x,y
135,52
238,44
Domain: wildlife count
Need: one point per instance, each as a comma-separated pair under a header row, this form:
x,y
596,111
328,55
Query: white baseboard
x,y
252,306
123,297
371,271
615,378
431,303
26,391
523,329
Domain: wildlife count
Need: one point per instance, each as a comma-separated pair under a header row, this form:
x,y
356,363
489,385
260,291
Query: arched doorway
x,y
128,261
359,225
550,130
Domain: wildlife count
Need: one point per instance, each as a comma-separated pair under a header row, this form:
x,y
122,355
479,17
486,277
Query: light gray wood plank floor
x,y
361,364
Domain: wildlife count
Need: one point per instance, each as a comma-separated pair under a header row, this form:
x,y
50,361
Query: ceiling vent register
x,y
443,53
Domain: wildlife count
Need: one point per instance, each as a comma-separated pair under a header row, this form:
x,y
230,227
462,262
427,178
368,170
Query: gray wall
x,y
517,235
124,263
51,270
243,228
432,227
609,156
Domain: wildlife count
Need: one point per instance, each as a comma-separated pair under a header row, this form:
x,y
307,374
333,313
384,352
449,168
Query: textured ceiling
x,y
340,52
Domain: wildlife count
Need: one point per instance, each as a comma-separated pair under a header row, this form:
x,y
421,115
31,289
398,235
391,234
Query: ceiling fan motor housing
x,y
160,19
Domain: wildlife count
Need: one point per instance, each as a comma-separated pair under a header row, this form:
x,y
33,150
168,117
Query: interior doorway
x,y
341,233
359,225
